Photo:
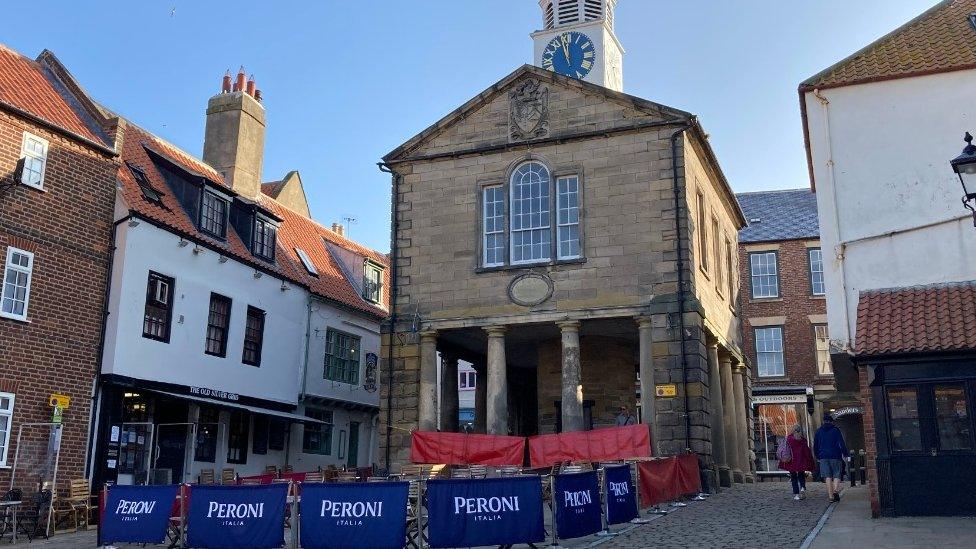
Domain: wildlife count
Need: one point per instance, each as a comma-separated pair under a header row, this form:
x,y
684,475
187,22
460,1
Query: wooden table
x,y
12,506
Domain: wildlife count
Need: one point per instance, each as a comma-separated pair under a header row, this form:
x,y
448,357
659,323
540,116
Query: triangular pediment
x,y
533,105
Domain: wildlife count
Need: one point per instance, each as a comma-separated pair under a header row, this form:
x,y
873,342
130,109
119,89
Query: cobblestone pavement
x,y
747,516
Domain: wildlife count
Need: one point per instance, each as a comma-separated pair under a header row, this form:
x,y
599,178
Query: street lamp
x,y
965,167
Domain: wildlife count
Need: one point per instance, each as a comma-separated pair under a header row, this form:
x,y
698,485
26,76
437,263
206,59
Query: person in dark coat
x,y
800,462
831,451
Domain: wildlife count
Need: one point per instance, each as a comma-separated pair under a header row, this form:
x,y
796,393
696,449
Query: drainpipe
x,y
308,337
93,414
680,263
841,247
393,308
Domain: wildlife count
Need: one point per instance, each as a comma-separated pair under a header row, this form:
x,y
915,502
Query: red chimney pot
x,y
250,85
225,84
239,83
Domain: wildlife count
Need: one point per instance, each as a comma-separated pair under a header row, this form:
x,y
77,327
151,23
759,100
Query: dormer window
x,y
373,282
148,192
264,238
213,214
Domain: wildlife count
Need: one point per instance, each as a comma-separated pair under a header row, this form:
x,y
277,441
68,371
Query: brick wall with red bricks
x,y
795,302
67,227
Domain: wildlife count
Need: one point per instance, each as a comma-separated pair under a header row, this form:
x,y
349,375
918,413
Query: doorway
x,y
171,435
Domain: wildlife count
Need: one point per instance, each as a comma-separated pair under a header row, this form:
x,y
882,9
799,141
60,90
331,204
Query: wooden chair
x,y
227,476
461,472
250,481
77,505
377,479
479,471
347,476
207,476
314,477
509,471
289,469
271,470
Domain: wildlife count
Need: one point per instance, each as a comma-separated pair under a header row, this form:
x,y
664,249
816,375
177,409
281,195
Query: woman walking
x,y
795,456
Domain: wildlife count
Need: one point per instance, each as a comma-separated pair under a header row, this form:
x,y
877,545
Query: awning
x,y
296,418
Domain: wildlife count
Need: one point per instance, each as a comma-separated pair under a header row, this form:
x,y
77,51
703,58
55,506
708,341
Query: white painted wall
x,y
182,360
324,316
888,201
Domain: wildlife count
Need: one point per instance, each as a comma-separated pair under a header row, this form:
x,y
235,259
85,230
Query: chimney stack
x,y
339,229
234,140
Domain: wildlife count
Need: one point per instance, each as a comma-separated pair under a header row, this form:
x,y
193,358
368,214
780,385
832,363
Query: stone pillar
x,y
717,416
741,427
572,384
731,426
449,393
480,398
497,398
647,375
427,403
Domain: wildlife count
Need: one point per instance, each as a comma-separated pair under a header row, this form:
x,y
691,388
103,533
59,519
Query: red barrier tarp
x,y
663,480
611,443
466,449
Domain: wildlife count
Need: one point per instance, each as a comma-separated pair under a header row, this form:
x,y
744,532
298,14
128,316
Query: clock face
x,y
570,53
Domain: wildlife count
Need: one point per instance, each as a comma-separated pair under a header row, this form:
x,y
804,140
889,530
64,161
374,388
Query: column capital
x,y
643,321
738,368
568,325
428,336
712,344
495,331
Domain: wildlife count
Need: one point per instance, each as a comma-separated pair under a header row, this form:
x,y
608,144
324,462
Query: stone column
x,y
729,422
449,393
480,398
572,384
497,398
427,404
648,412
717,415
742,428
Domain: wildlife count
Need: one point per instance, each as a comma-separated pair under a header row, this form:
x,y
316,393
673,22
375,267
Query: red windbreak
x,y
611,443
466,449
663,480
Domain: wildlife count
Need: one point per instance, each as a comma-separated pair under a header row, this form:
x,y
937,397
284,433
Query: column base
x,y
725,477
738,477
750,479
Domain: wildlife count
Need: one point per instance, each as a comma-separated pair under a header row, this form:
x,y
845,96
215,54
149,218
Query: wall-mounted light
x,y
197,250
223,259
965,167
257,274
284,287
133,223
183,242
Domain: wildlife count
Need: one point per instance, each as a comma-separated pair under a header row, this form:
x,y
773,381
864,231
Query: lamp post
x,y
965,167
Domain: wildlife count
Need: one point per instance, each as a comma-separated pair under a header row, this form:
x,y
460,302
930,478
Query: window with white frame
x,y
817,286
769,351
34,157
531,231
822,346
765,274
534,235
372,282
567,214
466,380
17,275
6,422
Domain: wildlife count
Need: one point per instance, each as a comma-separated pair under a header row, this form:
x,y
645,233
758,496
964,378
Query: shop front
x,y
776,411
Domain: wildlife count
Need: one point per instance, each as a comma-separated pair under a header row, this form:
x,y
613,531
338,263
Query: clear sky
x,y
346,82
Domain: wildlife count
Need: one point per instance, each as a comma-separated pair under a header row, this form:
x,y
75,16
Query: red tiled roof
x,y
27,85
295,230
938,317
939,40
272,188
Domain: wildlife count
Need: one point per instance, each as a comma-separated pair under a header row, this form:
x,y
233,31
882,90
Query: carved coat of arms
x,y
529,111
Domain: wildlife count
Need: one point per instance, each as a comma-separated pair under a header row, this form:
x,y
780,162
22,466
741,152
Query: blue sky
x,y
346,82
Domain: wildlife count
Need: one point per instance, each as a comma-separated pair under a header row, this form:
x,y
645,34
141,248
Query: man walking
x,y
830,449
625,417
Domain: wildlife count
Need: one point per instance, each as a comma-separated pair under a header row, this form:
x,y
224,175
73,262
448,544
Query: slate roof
x,y
295,230
933,318
29,86
939,40
779,215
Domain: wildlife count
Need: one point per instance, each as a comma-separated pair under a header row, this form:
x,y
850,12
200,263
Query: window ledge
x,y
765,299
15,318
819,297
524,266
772,378
35,187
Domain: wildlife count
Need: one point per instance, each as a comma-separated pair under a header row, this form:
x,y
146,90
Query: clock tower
x,y
577,40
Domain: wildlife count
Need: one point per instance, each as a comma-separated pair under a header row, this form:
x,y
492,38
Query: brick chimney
x,y
339,229
234,138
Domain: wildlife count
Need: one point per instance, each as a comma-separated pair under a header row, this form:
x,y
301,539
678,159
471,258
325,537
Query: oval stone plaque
x,y
530,289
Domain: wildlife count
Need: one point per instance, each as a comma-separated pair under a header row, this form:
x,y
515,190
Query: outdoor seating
x,y
289,469
415,523
77,506
271,469
378,479
250,481
228,476
7,516
347,476
314,476
207,476
32,521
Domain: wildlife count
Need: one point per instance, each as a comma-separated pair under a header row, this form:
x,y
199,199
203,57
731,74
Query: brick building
x,y
566,238
784,323
57,189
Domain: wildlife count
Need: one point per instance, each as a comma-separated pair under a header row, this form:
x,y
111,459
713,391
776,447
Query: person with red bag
x,y
795,457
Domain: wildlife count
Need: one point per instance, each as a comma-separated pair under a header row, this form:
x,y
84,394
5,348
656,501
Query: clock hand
x,y
566,52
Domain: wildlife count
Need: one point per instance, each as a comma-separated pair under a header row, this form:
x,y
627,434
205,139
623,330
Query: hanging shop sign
x,y
491,511
779,399
369,379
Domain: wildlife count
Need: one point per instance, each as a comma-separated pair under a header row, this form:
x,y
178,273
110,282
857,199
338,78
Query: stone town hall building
x,y
569,240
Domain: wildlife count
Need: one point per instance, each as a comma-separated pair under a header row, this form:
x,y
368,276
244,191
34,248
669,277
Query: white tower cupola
x,y
577,40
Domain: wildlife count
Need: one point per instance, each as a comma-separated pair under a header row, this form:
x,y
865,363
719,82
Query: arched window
x,y
539,228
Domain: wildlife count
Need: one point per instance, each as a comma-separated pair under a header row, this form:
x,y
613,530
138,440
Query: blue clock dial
x,y
570,53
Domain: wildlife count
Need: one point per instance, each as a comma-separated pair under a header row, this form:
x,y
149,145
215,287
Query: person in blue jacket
x,y
830,449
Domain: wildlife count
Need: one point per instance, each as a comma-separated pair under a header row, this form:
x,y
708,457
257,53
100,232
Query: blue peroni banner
x,y
136,514
492,511
577,499
237,517
621,502
354,515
